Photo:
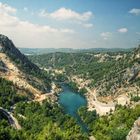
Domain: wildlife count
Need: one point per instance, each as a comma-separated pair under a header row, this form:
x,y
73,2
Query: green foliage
x,y
8,96
47,121
60,77
83,91
87,116
115,126
89,66
73,86
9,133
135,98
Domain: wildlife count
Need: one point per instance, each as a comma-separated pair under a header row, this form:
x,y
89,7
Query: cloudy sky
x,y
71,23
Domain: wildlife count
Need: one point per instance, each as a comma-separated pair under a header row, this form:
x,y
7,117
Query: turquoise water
x,y
71,102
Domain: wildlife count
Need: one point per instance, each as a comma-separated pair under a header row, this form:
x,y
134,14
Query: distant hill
x,y
38,51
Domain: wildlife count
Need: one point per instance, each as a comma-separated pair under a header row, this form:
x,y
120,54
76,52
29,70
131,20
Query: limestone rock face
x,y
16,67
134,134
7,47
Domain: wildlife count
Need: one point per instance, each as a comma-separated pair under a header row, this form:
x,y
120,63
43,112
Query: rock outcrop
x,y
134,134
7,46
26,76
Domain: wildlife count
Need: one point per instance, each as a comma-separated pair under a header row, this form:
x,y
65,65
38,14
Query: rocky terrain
x,y
15,67
10,50
134,134
124,80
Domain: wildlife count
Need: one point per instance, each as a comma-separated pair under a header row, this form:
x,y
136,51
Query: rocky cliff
x,y
26,76
7,46
134,134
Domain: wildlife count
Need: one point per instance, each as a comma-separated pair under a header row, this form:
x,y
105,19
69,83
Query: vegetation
x,y
39,121
135,98
76,89
73,86
87,116
48,121
112,127
42,122
107,71
9,133
8,96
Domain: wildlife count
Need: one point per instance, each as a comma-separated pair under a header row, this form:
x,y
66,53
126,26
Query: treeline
x,y
85,64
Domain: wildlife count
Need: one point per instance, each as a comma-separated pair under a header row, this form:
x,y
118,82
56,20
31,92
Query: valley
x,y
79,95
118,85
84,75
70,70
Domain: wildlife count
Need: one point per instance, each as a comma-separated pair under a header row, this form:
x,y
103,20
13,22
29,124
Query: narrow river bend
x,y
71,102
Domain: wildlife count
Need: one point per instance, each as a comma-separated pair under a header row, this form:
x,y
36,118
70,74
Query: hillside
x,y
26,76
27,101
110,82
111,73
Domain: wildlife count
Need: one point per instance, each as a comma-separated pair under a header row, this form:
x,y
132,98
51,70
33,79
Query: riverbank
x,y
92,102
52,96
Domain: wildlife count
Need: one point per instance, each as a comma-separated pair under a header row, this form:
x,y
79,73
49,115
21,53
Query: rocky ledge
x,y
134,134
7,47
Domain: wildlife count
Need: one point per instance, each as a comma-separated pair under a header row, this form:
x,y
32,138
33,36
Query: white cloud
x,y
7,9
27,34
67,14
6,19
106,35
14,22
123,30
88,25
67,31
135,11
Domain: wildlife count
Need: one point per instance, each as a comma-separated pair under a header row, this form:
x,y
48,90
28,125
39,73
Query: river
x,y
71,102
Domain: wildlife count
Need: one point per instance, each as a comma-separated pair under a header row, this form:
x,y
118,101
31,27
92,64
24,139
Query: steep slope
x,y
15,67
134,134
125,78
9,49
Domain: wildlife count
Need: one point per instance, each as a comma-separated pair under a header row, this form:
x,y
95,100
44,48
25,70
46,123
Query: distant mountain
x,y
34,51
38,51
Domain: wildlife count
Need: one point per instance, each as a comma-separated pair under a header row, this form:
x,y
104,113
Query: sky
x,y
71,23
